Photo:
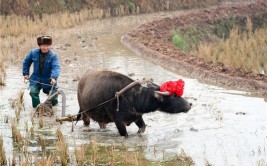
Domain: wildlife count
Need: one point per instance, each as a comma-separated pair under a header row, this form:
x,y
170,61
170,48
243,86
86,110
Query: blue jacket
x,y
51,67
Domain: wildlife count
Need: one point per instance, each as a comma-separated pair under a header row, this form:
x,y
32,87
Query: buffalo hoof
x,y
88,130
102,125
85,124
141,130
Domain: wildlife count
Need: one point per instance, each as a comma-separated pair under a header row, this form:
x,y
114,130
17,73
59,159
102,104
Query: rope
x,y
132,84
117,95
99,105
50,93
50,85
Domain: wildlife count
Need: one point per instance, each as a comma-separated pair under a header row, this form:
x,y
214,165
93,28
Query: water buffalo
x,y
96,87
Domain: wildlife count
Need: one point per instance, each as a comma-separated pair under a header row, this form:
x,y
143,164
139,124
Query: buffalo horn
x,y
166,93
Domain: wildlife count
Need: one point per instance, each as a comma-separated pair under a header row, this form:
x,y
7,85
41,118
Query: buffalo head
x,y
170,103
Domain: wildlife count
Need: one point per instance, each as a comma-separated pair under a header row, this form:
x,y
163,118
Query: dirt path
x,y
153,41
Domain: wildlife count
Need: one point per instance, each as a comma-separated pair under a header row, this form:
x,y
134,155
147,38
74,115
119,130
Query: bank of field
x,y
235,45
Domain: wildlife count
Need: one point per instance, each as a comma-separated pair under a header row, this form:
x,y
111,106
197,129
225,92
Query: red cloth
x,y
176,87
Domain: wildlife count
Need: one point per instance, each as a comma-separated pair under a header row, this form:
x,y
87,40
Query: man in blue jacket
x,y
46,69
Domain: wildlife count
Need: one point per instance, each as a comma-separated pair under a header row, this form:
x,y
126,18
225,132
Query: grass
x,y
238,46
79,154
3,58
243,49
18,30
63,149
180,41
17,103
32,132
41,123
3,160
16,136
86,154
222,28
189,38
17,25
131,7
6,119
95,154
45,161
41,142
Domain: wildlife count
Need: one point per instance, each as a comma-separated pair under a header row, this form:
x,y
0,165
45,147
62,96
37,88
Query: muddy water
x,y
224,127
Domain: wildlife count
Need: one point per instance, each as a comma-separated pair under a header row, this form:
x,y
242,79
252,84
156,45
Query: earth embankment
x,y
108,7
153,41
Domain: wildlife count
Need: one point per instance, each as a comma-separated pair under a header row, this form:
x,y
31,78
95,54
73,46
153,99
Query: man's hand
x,y
52,81
26,77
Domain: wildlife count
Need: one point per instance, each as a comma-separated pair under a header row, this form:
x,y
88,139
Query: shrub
x,y
180,41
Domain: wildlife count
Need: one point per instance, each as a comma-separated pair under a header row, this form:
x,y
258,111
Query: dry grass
x,y
41,142
3,58
245,50
63,149
45,161
111,155
17,26
3,160
32,118
13,162
16,136
29,160
17,103
41,123
14,25
184,158
79,154
6,119
91,154
26,127
32,132
17,32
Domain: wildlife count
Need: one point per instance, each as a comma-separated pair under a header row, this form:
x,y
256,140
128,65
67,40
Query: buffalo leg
x,y
122,129
141,124
86,119
102,125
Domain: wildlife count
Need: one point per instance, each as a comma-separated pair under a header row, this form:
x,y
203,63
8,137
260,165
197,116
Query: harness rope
x,y
117,95
49,85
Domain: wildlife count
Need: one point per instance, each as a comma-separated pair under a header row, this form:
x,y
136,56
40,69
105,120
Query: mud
x,y
153,41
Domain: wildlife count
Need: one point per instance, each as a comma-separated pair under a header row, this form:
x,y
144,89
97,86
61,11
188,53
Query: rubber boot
x,y
34,93
54,101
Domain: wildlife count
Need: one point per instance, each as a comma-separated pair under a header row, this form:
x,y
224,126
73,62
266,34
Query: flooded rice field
x,y
224,127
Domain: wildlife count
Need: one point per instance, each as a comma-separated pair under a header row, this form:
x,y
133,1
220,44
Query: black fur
x,y
96,87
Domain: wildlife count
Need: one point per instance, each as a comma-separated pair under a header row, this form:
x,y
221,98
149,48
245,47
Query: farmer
x,y
46,69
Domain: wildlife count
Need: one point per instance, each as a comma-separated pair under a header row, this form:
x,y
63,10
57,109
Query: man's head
x,y
44,43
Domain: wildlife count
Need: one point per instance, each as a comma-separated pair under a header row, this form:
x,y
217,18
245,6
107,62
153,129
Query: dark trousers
x,y
35,91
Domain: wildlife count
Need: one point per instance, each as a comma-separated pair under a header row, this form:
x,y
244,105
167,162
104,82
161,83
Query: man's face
x,y
45,48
